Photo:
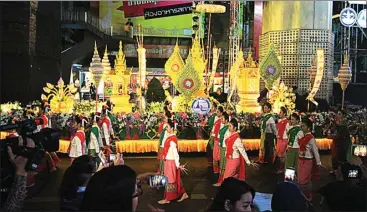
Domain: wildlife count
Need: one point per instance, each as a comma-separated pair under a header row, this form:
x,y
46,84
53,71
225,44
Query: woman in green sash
x,y
223,134
211,120
268,135
294,134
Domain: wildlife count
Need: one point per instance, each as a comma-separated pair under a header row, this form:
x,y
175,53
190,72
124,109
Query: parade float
x,y
138,129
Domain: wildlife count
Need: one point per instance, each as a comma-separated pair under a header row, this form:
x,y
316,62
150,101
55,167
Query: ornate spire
x,y
120,62
105,61
95,57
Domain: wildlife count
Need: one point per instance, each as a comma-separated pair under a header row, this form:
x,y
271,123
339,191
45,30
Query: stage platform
x,y
145,146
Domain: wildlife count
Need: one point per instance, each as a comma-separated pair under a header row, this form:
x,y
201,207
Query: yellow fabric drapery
x,y
143,146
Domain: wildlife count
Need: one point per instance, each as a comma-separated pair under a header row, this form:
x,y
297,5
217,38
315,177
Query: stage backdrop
x,y
158,18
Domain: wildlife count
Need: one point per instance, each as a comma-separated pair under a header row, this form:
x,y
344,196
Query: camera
x,y
46,139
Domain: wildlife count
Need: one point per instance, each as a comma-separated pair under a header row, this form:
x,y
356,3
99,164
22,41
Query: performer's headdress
x,y
96,117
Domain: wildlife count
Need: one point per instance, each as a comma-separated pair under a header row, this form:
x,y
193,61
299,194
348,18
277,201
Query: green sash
x,y
162,136
211,121
292,133
222,132
95,131
264,119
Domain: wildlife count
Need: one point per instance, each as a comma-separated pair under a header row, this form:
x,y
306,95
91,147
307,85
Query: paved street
x,y
198,183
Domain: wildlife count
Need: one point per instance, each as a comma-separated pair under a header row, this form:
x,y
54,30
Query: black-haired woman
x,y
77,143
236,154
233,195
162,131
282,141
294,134
268,135
172,168
74,182
308,159
114,188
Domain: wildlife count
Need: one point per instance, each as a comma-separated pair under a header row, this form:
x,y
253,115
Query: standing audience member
x,y
74,182
233,196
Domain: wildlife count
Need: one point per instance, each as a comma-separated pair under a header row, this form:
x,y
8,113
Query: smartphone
x,y
290,174
359,150
353,173
112,157
158,181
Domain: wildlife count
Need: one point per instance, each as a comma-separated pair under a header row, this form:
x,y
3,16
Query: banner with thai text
x,y
157,18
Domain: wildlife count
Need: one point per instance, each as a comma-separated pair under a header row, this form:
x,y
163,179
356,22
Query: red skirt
x,y
235,168
281,147
174,188
307,170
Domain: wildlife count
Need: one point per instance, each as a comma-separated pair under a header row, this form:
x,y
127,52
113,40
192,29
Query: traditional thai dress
x,y
236,157
308,160
223,135
46,122
216,150
95,141
212,119
107,130
174,188
162,138
340,145
268,132
282,141
294,134
76,148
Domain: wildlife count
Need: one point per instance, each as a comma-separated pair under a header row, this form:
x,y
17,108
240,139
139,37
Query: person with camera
x,y
18,192
348,193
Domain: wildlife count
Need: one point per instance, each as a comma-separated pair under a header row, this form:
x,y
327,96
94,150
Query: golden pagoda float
x,y
248,84
187,77
61,96
119,77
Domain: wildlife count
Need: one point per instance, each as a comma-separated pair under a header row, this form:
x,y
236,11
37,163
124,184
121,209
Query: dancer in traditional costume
x,y
268,135
172,168
341,142
212,119
77,142
294,134
107,130
162,131
215,134
95,139
282,142
236,154
308,160
223,135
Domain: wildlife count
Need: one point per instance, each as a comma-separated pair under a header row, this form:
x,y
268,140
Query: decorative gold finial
x,y
346,58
